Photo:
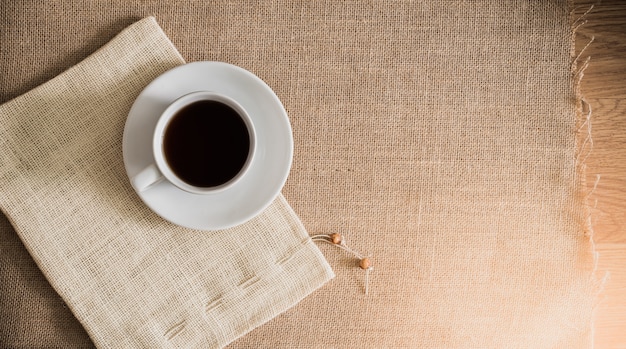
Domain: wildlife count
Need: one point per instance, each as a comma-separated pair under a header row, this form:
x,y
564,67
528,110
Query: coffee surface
x,y
206,143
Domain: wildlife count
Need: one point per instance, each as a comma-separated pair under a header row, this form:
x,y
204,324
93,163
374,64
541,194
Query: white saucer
x,y
267,173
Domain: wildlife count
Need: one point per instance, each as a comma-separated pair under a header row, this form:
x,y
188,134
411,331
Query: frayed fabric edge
x,y
584,147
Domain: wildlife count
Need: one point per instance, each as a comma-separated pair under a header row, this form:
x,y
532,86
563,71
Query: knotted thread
x,y
337,240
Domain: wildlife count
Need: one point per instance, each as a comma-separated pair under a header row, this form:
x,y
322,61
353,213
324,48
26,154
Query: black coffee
x,y
206,143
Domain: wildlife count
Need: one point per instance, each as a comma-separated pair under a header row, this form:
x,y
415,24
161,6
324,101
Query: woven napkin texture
x,y
439,136
131,278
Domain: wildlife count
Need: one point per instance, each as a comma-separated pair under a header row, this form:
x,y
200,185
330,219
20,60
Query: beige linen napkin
x,y
131,278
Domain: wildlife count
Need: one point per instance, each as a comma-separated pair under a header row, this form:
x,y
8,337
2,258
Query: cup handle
x,y
146,178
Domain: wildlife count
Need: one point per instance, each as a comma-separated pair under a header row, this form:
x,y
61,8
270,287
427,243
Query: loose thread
x,y
367,279
595,186
337,240
593,38
581,16
586,147
581,72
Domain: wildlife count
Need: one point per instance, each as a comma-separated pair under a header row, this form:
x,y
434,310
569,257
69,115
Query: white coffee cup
x,y
219,159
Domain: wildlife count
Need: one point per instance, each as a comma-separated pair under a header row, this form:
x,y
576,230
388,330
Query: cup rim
x,y
164,120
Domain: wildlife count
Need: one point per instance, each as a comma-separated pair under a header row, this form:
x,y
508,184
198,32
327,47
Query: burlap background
x,y
438,136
